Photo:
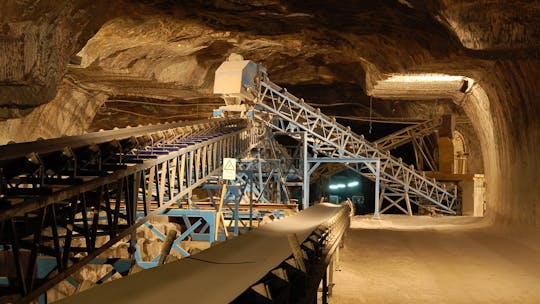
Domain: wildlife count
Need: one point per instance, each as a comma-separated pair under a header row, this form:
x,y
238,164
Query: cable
x,y
322,105
370,119
151,116
162,104
382,120
370,110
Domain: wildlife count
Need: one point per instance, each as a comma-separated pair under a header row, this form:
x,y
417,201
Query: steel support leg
x,y
325,286
305,167
250,203
408,203
377,187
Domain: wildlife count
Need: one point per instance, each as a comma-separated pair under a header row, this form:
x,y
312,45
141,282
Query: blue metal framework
x,y
286,113
74,225
65,202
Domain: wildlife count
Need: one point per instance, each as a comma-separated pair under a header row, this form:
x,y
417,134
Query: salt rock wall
x,y
69,113
501,25
150,246
37,40
166,52
512,154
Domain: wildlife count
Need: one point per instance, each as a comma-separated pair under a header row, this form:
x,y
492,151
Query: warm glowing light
x,y
425,78
425,82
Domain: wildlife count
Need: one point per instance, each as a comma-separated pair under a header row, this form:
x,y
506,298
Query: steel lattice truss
x,y
329,138
406,135
52,236
414,134
65,202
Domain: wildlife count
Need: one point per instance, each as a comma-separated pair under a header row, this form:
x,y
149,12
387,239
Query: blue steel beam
x,y
146,189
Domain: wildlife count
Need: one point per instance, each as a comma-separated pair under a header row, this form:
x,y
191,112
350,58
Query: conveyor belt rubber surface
x,y
216,275
49,145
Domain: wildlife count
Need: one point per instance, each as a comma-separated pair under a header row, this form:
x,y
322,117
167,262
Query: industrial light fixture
x,y
462,84
424,78
352,184
341,186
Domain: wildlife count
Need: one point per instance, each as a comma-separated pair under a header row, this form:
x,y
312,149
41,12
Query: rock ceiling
x,y
157,52
70,67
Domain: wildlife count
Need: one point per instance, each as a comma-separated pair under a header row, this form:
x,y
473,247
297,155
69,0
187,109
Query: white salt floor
x,y
401,259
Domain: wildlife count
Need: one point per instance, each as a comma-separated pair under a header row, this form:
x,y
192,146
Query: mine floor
x,y
400,259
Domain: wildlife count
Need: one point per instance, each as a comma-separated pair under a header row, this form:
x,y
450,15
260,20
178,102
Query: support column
x,y
251,203
325,286
377,187
408,202
305,167
259,171
445,144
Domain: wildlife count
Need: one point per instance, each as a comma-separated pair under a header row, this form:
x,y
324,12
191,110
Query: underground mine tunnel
x,y
270,151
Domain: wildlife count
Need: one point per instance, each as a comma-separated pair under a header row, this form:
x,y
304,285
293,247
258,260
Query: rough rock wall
x,y
166,52
501,25
512,153
150,246
37,40
69,113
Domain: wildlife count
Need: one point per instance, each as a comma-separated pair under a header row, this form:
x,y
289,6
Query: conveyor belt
x,y
40,168
389,142
221,273
138,180
327,137
406,135
12,151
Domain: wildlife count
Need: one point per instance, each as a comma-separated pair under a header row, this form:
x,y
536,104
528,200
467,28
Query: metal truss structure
x,y
286,113
63,208
281,262
64,203
297,279
406,135
415,134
